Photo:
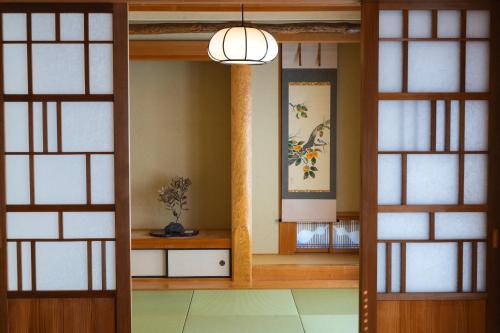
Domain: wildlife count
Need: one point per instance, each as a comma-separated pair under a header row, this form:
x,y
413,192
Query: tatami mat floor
x,y
246,311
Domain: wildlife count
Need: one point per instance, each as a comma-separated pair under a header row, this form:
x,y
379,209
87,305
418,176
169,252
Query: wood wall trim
x,y
196,50
169,50
287,238
122,173
315,37
369,121
493,257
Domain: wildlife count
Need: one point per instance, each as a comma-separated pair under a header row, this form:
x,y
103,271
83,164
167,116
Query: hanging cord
x,y
319,54
242,17
299,51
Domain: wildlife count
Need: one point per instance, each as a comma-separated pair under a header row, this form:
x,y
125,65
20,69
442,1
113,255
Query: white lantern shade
x,y
242,45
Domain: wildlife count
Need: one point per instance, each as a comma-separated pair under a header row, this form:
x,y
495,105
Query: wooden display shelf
x,y
206,239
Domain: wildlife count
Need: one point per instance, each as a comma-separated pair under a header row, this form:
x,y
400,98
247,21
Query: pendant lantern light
x,y
242,45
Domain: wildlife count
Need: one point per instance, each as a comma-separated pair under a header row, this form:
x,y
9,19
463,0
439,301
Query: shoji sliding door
x,y
425,166
64,168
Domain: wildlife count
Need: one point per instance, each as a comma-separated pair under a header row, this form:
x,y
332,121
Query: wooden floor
x,y
275,272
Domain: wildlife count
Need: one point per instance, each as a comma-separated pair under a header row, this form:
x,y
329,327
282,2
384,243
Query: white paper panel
x,y
60,179
390,23
448,24
404,125
100,26
476,125
87,126
71,26
102,179
440,125
11,266
433,66
148,262
32,225
58,69
16,127
481,267
14,26
17,179
89,224
475,179
431,267
432,179
381,266
403,226
390,78
51,127
454,126
37,127
110,266
389,179
460,225
419,23
26,265
15,68
396,268
96,266
190,263
467,267
477,66
101,68
43,27
478,23
61,266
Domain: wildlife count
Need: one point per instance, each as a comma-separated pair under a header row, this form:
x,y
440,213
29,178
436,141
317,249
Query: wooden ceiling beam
x,y
264,6
209,27
196,50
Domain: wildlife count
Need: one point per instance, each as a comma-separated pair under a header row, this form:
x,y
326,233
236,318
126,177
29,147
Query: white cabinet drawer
x,y
149,263
199,263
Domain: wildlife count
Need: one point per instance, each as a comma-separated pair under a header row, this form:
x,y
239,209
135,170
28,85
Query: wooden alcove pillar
x,y
241,173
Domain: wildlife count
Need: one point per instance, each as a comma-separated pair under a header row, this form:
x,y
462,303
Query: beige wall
x,y
265,145
180,125
348,128
265,151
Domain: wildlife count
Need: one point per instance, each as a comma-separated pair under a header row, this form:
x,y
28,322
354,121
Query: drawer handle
x,y
222,263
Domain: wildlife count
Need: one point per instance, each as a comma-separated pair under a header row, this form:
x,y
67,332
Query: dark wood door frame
x,y
368,211
493,259
122,301
369,123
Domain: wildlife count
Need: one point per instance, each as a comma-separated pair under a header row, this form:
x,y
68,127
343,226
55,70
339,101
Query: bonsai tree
x,y
175,200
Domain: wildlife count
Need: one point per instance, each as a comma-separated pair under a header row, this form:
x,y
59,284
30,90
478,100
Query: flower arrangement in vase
x,y
174,198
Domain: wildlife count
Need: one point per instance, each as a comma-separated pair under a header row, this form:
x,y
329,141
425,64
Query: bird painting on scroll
x,y
309,137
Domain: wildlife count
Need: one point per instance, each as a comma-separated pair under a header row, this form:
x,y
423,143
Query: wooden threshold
x,y
222,283
280,273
